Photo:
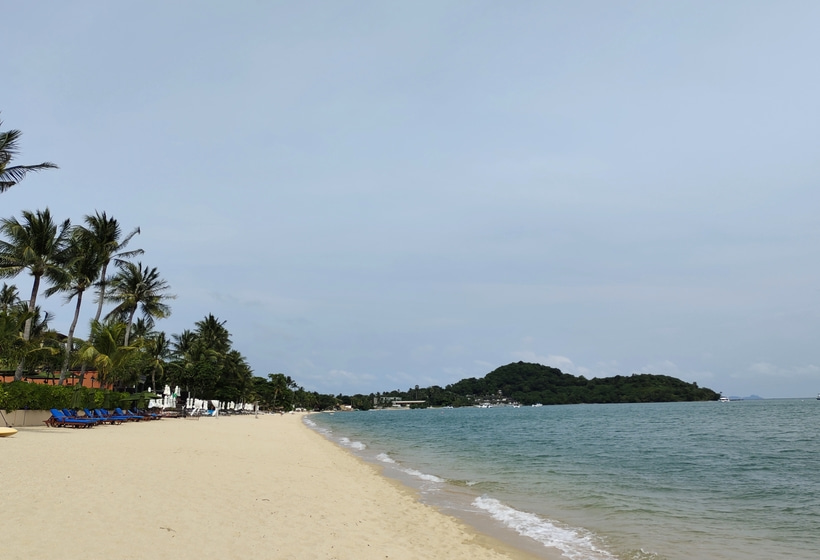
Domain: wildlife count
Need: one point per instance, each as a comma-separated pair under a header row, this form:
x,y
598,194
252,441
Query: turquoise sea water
x,y
737,480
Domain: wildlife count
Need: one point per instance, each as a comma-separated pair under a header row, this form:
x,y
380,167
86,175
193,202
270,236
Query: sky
x,y
376,195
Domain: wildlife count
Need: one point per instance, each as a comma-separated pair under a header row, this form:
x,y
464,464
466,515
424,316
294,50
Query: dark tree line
x,y
528,384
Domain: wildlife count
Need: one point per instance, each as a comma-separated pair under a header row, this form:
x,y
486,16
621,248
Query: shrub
x,y
19,395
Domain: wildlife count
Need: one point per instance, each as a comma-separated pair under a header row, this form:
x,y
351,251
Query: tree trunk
x,y
98,314
70,340
128,326
102,292
18,373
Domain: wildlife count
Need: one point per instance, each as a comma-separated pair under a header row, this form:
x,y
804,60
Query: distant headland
x,y
528,384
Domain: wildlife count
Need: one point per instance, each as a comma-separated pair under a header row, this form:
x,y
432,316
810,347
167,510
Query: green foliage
x,y
528,384
19,395
534,383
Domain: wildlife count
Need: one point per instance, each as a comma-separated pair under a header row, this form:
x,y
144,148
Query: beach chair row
x,y
67,418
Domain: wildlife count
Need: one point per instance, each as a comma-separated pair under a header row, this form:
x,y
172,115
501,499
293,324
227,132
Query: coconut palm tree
x,y
11,175
44,346
12,322
105,236
235,383
36,244
9,296
82,269
105,351
213,334
135,287
158,348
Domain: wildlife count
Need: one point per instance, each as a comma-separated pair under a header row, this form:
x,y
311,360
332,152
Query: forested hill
x,y
533,383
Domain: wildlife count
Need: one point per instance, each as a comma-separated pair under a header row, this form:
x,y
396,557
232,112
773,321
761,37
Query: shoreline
x,y
452,501
225,487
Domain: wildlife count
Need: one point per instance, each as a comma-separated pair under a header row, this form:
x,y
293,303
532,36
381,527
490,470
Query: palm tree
x,y
103,233
82,269
43,348
213,334
142,329
183,343
135,287
158,348
38,245
235,382
11,175
105,351
8,297
12,322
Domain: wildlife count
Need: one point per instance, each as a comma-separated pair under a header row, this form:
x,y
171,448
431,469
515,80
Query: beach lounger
x,y
103,413
128,414
145,414
72,415
102,419
59,419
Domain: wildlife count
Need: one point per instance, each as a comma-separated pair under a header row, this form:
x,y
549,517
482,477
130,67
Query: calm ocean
x,y
737,480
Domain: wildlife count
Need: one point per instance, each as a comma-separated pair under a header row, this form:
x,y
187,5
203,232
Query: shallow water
x,y
639,482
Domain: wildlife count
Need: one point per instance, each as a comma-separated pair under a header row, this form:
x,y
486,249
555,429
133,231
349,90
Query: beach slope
x,y
231,487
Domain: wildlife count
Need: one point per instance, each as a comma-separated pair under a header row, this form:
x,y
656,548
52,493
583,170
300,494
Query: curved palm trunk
x,y
31,303
99,312
70,341
18,373
128,326
102,292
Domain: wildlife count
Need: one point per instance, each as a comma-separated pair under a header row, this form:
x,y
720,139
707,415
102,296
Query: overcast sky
x,y
375,195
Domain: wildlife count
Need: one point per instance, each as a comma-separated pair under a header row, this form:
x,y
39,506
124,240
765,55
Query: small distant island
x,y
528,383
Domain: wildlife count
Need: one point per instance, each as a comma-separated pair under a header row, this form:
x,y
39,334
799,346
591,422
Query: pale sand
x,y
231,487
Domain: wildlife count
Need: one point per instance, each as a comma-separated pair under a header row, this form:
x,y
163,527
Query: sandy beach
x,y
230,487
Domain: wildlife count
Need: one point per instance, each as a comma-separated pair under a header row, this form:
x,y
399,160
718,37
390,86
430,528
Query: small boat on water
x,y
537,404
723,399
818,396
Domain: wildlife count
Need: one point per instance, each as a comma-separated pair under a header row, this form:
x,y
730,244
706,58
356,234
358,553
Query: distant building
x,y
403,404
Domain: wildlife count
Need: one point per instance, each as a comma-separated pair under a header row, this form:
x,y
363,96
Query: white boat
x,y
726,399
538,404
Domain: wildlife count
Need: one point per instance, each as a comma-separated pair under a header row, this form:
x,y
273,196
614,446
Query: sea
x,y
661,481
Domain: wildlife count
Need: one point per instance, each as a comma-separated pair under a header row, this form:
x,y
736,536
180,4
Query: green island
x,y
527,384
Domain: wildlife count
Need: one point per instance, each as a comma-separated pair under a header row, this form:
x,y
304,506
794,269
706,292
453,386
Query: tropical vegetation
x,y
528,383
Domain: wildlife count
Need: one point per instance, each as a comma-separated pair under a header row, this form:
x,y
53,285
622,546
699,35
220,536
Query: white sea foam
x,y
384,458
352,444
575,544
423,476
320,429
